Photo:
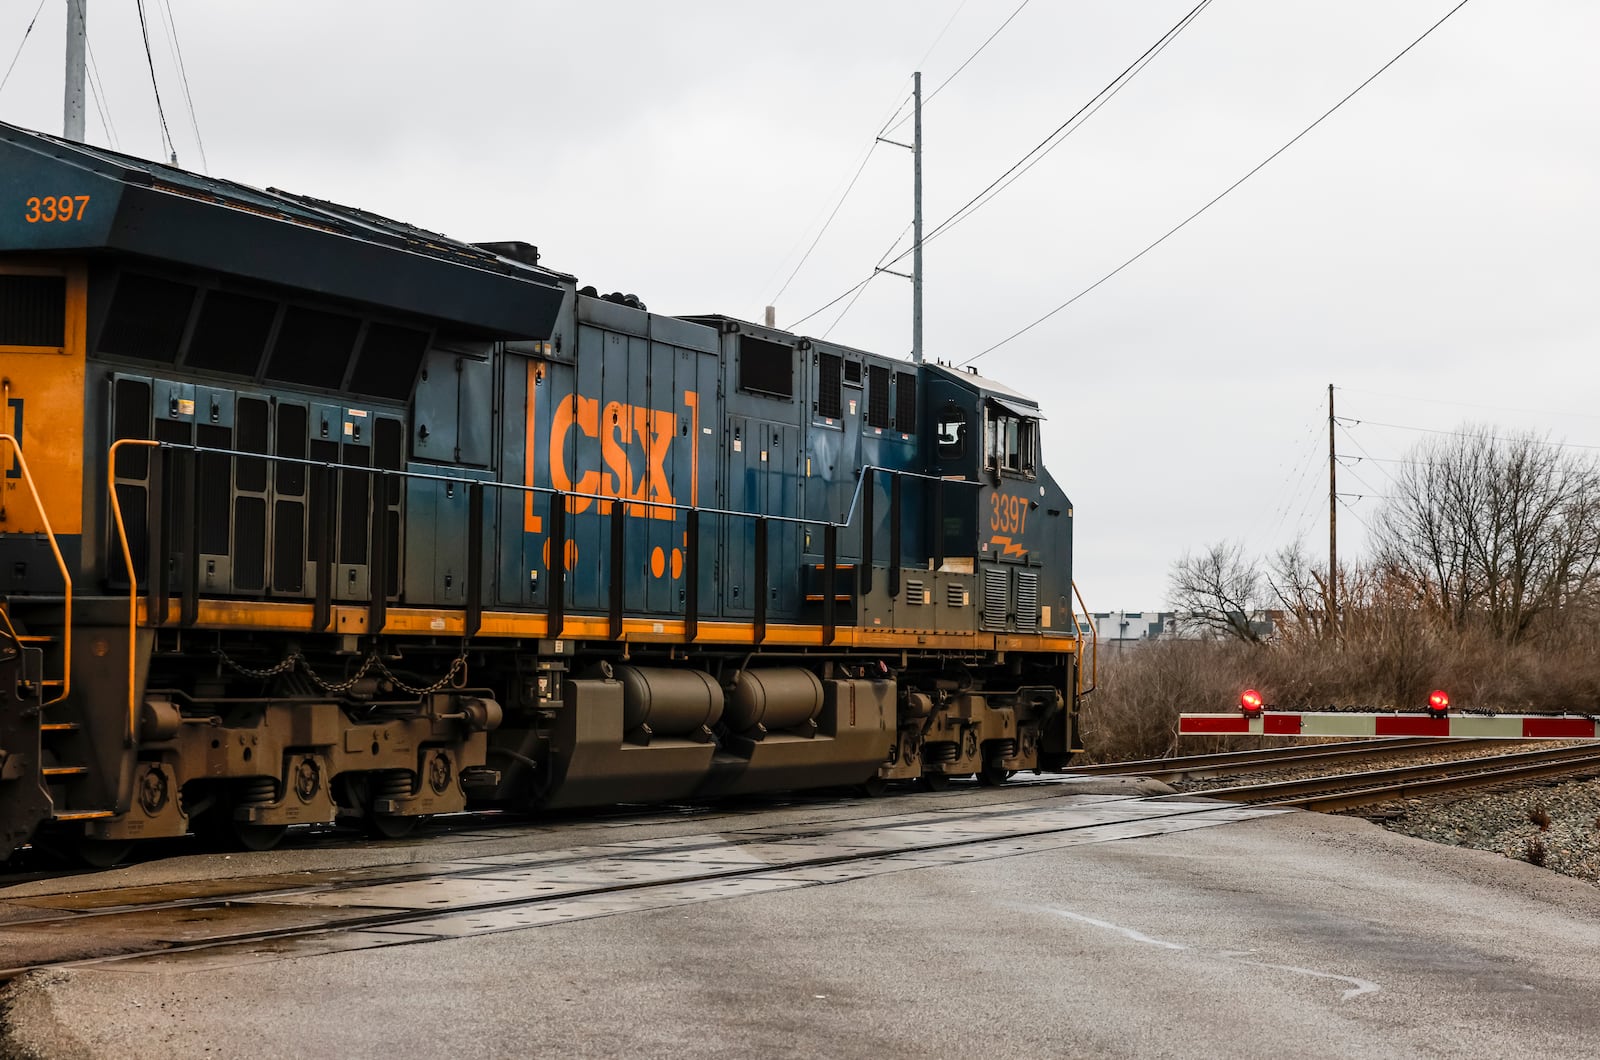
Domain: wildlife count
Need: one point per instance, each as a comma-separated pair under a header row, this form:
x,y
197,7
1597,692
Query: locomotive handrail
x,y
133,579
61,565
1094,649
860,506
424,476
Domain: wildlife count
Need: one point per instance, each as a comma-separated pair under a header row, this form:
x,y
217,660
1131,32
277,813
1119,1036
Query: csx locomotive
x,y
310,515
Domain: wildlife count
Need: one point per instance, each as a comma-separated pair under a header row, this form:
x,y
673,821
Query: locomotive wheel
x,y
101,853
933,781
874,787
391,826
992,776
257,836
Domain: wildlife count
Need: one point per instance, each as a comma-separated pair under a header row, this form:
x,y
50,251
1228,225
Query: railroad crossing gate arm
x,y
1350,723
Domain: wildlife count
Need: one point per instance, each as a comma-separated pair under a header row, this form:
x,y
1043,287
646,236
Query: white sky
x,y
1432,247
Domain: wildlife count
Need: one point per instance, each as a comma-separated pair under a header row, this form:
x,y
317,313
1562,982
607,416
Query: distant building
x,y
1123,628
1128,627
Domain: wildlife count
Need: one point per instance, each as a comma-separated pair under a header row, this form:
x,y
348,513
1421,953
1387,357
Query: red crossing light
x,y
1438,703
1250,701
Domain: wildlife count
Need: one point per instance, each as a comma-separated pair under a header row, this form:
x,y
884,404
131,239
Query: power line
x,y
863,288
848,188
1346,421
1060,133
1470,405
20,43
166,134
1356,442
964,63
1066,128
867,157
1224,193
102,102
183,79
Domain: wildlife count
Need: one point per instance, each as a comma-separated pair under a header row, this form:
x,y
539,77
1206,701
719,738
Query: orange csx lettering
x,y
621,430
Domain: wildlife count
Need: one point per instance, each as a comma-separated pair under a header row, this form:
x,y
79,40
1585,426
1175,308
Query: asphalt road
x,y
1293,935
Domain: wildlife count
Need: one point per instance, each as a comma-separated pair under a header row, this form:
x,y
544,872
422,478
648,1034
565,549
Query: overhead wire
x,y
20,44
1026,162
860,168
940,87
1175,229
1060,134
1352,422
149,57
176,48
102,102
863,288
1468,404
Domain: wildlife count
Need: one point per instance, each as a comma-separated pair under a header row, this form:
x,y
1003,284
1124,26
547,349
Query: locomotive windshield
x,y
1010,440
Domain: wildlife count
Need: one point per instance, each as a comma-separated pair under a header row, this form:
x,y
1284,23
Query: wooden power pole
x,y
1333,525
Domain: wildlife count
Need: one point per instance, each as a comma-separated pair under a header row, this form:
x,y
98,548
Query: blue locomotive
x,y
312,515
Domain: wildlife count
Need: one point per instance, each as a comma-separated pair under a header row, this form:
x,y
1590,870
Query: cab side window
x,y
952,432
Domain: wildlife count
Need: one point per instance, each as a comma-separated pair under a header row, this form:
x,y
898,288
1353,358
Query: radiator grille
x,y
33,311
1027,602
955,595
996,590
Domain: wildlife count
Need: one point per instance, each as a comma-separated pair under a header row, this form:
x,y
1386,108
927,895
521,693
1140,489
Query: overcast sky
x,y
1434,247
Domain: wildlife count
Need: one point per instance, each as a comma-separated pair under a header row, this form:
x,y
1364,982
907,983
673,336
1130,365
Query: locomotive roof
x,y
998,391
136,206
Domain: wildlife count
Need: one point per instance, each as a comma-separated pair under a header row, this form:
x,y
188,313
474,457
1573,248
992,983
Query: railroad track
x,y
216,923
1351,790
1227,762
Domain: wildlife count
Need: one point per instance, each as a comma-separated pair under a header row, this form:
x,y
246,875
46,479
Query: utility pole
x,y
77,44
1333,525
916,218
915,147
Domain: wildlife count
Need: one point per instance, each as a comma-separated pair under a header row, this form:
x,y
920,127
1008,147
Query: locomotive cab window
x,y
952,432
1010,441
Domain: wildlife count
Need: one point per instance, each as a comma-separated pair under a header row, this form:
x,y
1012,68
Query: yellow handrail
x,y
61,565
133,580
1094,640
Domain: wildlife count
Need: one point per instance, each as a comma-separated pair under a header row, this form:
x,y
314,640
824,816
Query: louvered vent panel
x,y
996,589
1027,602
916,593
955,595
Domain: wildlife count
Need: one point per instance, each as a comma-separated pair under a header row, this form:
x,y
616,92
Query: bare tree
x,y
1494,531
1217,590
1301,588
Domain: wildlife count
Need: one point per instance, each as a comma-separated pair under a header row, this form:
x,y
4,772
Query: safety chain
x,y
272,671
371,662
456,667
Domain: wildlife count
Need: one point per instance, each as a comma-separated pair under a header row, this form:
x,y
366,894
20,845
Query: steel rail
x,y
1359,789
1265,757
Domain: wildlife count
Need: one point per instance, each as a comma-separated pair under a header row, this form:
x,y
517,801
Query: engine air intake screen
x,y
389,359
830,390
147,318
33,310
313,347
905,402
231,334
877,396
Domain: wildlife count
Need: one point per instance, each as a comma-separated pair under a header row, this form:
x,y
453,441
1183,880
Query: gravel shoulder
x,y
1555,826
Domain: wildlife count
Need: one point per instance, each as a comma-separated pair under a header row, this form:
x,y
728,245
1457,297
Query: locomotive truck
x,y
311,515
